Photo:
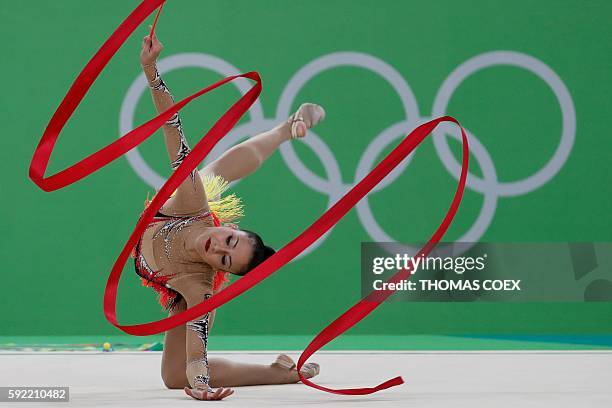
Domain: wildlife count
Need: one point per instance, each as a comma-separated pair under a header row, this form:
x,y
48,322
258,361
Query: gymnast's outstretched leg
x,y
223,372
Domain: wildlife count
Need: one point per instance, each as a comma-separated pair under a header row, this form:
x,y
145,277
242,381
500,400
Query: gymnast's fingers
x,y
156,44
153,34
226,393
194,393
215,395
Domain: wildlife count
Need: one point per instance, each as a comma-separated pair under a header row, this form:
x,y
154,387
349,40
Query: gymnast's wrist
x,y
150,71
198,373
151,64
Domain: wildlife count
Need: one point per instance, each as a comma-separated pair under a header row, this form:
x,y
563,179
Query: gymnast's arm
x,y
246,157
190,197
197,370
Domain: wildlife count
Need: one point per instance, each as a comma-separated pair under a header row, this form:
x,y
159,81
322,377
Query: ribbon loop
x,y
223,125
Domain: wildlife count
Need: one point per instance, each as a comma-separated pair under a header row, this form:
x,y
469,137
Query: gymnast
x,y
191,244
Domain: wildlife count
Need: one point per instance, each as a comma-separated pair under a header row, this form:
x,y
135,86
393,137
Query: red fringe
x,y
166,296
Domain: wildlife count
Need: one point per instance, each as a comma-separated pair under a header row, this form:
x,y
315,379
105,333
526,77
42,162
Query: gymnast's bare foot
x,y
290,374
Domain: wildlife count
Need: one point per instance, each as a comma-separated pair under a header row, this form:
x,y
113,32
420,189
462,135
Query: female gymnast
x,y
189,247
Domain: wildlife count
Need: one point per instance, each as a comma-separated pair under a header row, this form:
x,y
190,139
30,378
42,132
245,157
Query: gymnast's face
x,y
226,249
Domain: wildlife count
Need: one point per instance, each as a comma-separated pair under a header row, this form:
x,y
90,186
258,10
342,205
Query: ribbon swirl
x,y
222,126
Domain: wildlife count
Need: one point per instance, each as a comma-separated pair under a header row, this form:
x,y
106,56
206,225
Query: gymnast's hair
x,y
261,252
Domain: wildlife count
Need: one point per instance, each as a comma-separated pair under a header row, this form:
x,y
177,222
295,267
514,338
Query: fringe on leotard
x,y
228,208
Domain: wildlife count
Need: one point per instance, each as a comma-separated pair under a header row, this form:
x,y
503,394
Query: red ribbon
x,y
133,138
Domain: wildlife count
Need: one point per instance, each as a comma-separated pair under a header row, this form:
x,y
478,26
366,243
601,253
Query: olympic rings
x,y
333,186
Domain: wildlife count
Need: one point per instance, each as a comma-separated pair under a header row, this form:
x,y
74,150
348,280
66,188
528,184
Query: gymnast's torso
x,y
160,257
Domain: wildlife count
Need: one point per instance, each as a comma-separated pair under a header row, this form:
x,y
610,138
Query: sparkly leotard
x,y
152,278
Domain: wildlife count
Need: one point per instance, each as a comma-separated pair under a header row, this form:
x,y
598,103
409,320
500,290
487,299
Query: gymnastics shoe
x,y
308,370
307,116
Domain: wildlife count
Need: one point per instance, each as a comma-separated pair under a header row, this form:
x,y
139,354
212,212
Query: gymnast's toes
x,y
310,370
307,116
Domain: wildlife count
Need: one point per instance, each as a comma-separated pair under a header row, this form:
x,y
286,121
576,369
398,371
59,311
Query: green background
x,y
58,248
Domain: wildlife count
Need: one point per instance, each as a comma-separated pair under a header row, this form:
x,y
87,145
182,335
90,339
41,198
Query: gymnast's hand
x,y
151,48
201,394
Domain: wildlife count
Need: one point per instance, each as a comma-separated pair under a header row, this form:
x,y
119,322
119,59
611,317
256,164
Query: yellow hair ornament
x,y
228,208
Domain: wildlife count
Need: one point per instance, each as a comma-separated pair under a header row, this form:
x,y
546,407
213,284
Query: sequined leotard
x,y
168,295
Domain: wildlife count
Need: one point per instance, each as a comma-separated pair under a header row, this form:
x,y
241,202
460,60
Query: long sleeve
x,y
190,196
176,142
195,288
198,370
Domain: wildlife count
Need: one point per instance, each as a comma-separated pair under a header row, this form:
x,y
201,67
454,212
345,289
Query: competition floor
x,y
433,379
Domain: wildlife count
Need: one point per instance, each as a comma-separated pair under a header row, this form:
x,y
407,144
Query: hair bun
x,y
268,251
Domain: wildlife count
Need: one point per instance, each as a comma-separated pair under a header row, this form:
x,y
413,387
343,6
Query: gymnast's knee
x,y
174,381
